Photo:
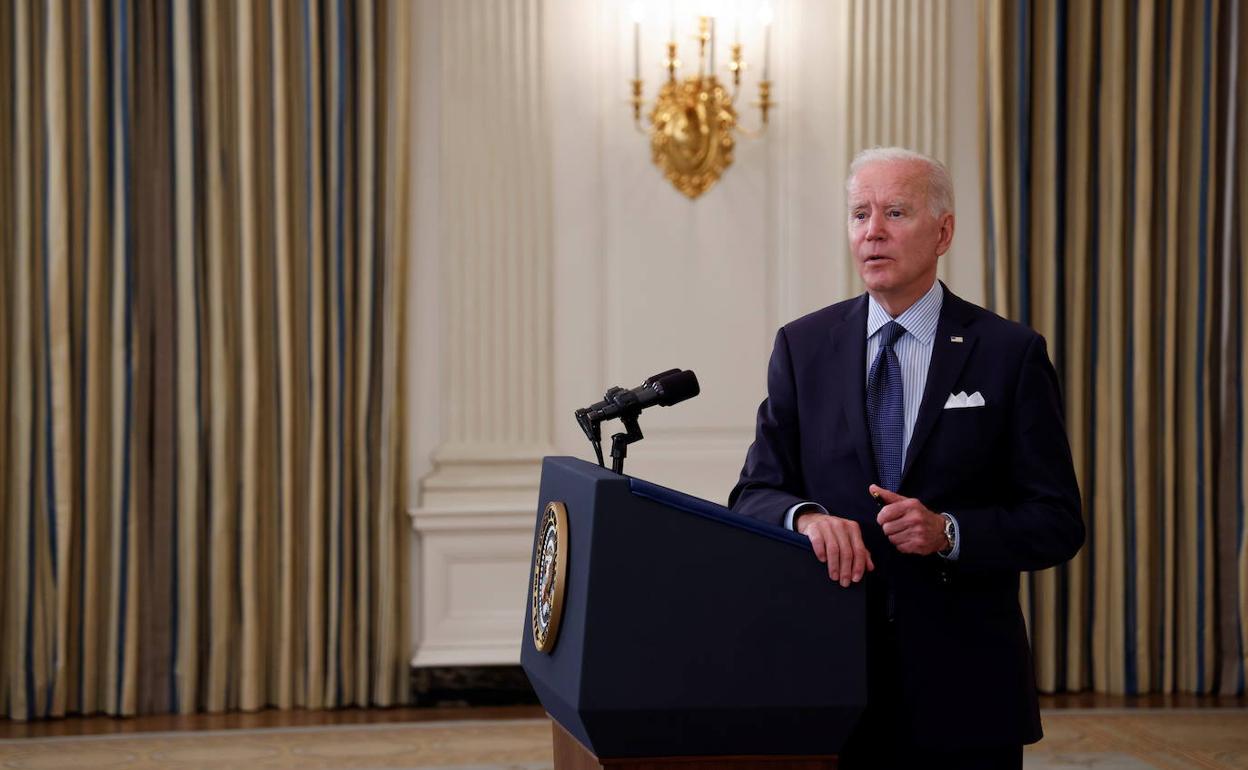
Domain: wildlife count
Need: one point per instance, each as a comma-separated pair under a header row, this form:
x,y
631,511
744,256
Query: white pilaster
x,y
477,505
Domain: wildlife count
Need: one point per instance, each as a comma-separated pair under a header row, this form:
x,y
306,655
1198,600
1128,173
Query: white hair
x,y
939,183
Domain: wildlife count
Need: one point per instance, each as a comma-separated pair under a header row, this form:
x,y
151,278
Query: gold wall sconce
x,y
693,121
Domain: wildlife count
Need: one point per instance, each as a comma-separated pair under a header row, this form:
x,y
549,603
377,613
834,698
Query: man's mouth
x,y
876,258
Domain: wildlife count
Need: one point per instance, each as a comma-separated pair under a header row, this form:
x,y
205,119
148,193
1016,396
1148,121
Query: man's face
x,y
893,235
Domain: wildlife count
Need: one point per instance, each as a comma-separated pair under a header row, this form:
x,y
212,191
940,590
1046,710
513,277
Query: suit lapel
x,y
849,352
948,359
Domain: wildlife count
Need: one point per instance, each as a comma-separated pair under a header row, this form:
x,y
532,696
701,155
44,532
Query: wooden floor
x,y
1081,733
1088,700
104,725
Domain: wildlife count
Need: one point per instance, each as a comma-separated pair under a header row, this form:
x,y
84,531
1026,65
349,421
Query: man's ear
x,y
945,239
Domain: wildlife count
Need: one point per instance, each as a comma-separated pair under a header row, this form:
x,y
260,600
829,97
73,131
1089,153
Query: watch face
x,y
550,559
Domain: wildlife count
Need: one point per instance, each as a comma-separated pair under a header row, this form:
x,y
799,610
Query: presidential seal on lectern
x,y
551,560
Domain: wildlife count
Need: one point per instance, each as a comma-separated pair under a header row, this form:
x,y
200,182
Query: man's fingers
x,y
828,545
848,555
923,532
817,543
912,540
900,520
837,536
912,519
893,511
862,557
839,544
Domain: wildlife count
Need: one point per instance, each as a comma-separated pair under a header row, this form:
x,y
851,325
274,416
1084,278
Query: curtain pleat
x,y
1114,193
1228,272
189,511
1238,245
284,547
8,193
395,160
315,324
203,217
18,602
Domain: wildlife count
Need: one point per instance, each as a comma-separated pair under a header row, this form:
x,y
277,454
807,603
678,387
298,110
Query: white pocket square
x,y
963,401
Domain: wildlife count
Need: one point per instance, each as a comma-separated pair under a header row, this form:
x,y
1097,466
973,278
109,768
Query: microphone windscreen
x,y
677,387
649,383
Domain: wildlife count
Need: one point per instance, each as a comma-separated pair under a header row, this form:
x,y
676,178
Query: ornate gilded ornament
x,y
550,564
691,141
693,121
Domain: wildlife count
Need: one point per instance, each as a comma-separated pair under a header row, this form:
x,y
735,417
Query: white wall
x,y
623,276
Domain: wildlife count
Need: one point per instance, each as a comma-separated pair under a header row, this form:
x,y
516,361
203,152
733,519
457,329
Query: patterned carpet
x,y
1171,739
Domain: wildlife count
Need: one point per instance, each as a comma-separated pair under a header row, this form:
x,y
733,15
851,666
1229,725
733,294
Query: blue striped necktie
x,y
886,408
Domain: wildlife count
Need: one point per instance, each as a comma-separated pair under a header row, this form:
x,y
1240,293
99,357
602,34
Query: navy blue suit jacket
x,y
1003,469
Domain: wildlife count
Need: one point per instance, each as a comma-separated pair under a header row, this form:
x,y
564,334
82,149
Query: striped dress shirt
x,y
914,354
913,349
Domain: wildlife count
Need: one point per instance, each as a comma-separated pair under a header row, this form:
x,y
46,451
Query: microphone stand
x,y
630,410
620,441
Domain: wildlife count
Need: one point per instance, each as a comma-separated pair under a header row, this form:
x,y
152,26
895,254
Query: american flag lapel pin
x,y
955,339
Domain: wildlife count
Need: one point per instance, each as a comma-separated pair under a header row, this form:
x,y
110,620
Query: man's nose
x,y
875,226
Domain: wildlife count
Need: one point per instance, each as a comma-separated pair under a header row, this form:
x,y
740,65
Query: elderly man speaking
x,y
918,441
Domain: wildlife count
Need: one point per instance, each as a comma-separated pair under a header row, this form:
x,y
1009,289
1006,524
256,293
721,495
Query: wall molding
x,y
552,259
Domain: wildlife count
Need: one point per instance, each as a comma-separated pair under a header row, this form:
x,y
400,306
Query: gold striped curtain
x,y
202,229
1116,191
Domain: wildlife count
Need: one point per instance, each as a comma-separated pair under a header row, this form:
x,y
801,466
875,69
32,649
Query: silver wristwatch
x,y
950,536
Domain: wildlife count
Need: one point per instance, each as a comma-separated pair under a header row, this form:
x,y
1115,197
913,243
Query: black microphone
x,y
665,389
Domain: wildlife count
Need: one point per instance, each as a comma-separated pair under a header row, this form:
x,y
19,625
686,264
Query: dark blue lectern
x,y
686,630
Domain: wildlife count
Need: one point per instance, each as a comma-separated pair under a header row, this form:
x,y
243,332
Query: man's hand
x,y
838,543
908,523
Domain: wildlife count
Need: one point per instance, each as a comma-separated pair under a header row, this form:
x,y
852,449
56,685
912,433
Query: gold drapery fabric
x,y
1115,192
202,229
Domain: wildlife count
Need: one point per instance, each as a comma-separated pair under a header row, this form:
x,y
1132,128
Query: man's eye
x,y
895,213
860,215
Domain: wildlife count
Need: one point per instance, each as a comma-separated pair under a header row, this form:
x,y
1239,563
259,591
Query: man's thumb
x,y
886,495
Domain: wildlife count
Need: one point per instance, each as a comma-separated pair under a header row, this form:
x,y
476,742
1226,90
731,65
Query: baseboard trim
x,y
435,686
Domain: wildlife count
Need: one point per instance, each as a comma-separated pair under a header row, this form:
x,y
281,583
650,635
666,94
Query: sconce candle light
x,y
693,120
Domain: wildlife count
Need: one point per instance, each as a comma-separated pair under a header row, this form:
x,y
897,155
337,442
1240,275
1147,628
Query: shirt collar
x,y
919,319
